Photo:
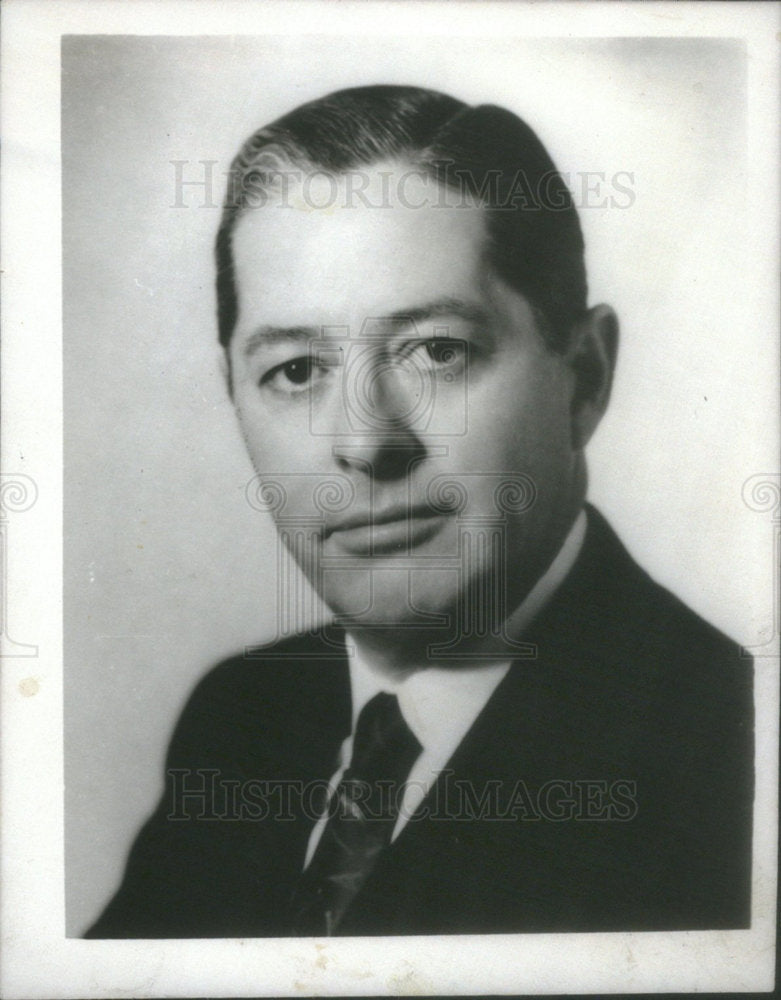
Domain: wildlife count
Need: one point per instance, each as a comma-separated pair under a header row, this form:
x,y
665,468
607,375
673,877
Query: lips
x,y
393,529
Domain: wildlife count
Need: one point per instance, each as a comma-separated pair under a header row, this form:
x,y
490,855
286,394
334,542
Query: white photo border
x,y
38,960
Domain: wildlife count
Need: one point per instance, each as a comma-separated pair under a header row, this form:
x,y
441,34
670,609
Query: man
x,y
508,726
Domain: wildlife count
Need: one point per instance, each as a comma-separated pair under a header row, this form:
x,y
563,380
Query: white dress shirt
x,y
440,704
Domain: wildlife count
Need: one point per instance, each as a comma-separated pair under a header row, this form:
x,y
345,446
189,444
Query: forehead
x,y
344,248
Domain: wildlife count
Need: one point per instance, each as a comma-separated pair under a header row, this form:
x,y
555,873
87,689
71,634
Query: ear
x,y
592,360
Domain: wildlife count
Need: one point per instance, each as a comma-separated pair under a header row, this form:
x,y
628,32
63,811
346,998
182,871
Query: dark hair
x,y
535,240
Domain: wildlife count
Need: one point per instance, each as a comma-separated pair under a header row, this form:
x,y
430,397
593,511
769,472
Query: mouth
x,y
397,529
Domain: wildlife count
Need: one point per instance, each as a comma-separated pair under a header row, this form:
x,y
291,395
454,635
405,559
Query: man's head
x,y
402,302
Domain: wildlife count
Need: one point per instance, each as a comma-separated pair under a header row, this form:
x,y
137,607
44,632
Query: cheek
x,y
520,424
274,443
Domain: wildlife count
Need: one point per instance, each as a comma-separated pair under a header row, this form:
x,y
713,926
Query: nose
x,y
379,432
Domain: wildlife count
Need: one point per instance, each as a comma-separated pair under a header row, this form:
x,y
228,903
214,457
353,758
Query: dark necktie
x,y
363,813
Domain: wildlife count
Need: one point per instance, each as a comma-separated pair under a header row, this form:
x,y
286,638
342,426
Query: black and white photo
x,y
417,499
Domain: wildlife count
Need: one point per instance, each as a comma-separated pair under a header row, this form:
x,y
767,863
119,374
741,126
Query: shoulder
x,y
265,668
265,690
639,646
649,616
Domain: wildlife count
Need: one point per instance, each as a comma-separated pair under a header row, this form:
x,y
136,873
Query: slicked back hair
x,y
535,242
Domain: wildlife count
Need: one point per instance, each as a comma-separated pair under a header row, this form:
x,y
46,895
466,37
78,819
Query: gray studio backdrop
x,y
167,567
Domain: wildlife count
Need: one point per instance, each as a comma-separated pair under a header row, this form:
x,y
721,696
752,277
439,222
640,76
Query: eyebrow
x,y
469,311
265,336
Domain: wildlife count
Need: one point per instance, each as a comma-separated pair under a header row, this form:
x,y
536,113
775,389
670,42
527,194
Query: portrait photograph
x,y
390,499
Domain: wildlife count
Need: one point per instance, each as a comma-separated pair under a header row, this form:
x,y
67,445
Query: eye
x,y
445,351
298,371
439,354
292,375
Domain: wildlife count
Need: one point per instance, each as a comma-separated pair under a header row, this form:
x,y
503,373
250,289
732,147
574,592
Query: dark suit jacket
x,y
607,784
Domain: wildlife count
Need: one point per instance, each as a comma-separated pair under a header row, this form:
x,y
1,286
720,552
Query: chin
x,y
431,607
387,595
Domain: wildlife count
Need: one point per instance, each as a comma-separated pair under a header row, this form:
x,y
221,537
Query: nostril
x,y
388,458
397,461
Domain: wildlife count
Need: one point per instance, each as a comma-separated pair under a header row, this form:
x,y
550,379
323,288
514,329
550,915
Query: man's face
x,y
376,351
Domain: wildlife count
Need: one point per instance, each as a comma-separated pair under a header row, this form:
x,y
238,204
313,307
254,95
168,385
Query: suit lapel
x,y
550,719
